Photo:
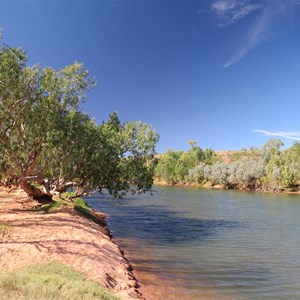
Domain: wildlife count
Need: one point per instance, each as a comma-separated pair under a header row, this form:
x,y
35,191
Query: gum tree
x,y
116,156
32,101
45,138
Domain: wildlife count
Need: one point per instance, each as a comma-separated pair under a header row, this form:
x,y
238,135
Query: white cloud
x,y
274,16
230,11
259,32
295,135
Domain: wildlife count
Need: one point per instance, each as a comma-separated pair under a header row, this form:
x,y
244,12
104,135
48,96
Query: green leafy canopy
x,y
45,137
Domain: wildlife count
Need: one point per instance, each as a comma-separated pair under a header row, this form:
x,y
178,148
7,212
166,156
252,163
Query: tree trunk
x,y
46,184
32,161
64,186
35,193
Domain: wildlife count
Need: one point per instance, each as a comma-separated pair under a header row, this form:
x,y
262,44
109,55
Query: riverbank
x,y
66,237
220,187
188,185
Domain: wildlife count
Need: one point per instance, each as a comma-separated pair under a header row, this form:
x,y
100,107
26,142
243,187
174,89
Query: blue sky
x,y
223,72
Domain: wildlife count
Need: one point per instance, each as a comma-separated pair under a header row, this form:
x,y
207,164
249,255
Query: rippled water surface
x,y
209,244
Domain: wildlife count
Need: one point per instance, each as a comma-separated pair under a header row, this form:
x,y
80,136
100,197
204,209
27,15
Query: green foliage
x,y
210,157
113,155
267,168
174,166
32,103
127,156
217,173
198,174
246,172
251,152
166,167
50,281
45,136
290,167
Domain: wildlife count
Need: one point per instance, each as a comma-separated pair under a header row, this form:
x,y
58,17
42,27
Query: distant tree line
x,y
48,145
174,166
267,169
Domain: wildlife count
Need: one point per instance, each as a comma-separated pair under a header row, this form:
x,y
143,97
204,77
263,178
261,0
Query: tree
x,y
209,156
271,147
196,174
44,137
33,101
246,172
218,174
166,166
175,166
290,170
129,148
86,156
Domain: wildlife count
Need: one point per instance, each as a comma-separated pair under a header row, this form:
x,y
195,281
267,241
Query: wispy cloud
x,y
230,11
270,22
295,135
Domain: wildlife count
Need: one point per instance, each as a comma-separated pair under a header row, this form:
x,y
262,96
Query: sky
x,y
225,73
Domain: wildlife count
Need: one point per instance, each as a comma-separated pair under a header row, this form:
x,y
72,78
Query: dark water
x,y
209,244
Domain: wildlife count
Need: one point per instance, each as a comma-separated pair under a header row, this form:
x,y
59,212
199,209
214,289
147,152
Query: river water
x,y
187,243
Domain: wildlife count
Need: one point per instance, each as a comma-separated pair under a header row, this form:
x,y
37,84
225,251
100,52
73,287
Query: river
x,y
187,243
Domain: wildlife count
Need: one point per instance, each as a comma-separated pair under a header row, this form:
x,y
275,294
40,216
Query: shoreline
x,y
219,187
67,237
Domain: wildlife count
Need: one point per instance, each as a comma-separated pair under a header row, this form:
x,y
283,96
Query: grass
x,y
65,200
84,209
79,204
5,233
55,205
50,281
5,236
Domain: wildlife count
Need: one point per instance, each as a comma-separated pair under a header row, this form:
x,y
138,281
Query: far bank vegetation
x,y
269,168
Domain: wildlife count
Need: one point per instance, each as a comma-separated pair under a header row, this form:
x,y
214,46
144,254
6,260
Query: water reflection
x,y
159,224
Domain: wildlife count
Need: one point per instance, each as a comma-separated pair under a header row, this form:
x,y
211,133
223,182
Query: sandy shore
x,y
66,237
